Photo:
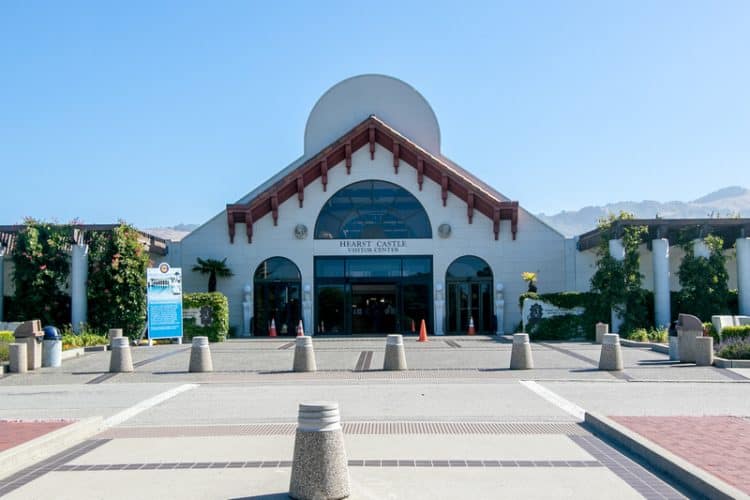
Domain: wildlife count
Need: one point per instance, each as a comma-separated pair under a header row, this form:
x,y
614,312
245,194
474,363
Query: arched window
x,y
277,283
373,209
468,267
469,295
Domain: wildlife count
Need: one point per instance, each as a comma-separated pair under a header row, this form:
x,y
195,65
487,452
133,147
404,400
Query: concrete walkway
x,y
460,424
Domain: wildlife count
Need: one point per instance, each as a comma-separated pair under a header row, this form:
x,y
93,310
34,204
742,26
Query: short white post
x,y
320,469
200,356
304,355
120,359
520,354
611,355
395,356
601,330
19,361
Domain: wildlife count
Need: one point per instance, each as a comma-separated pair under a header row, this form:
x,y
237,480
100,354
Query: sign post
x,y
164,294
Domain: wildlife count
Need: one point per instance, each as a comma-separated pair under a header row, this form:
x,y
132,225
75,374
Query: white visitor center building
x,y
373,230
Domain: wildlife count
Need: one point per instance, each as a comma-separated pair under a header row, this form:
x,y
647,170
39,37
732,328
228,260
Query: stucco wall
x,y
537,248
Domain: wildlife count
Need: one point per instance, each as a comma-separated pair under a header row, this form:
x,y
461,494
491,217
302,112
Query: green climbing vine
x,y
117,280
617,283
703,281
41,266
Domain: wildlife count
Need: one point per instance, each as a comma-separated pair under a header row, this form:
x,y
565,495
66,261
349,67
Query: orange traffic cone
x,y
422,333
272,330
471,331
413,328
300,329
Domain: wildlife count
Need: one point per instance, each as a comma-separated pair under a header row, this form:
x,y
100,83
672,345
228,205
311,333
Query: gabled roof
x,y
452,179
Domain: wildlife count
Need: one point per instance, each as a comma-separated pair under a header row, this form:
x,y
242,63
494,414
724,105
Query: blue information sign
x,y
164,292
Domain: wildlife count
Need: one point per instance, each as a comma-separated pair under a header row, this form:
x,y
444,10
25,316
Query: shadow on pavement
x,y
270,496
657,362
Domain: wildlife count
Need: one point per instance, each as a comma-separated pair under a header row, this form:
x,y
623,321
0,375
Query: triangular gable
x,y
370,132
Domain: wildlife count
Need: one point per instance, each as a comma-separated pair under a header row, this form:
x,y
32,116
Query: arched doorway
x,y
376,286
469,295
277,284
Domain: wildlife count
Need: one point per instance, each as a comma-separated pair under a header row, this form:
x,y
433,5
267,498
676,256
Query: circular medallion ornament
x,y
300,231
444,230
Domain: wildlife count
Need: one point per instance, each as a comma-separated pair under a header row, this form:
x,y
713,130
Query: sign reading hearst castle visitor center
x,y
371,247
164,295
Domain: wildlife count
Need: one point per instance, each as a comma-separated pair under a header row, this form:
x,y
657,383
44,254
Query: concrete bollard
x,y
704,351
19,361
395,356
120,360
601,330
611,356
304,355
320,468
114,333
520,355
200,356
686,345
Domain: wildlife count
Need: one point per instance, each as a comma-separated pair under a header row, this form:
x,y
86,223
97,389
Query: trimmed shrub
x,y
557,328
568,326
734,349
72,341
735,332
6,338
650,335
638,335
710,329
214,309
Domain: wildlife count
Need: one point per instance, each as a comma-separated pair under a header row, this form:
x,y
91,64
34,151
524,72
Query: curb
x,y
662,348
731,363
71,353
47,445
695,478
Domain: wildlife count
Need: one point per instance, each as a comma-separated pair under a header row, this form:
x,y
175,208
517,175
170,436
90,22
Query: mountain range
x,y
733,201
728,202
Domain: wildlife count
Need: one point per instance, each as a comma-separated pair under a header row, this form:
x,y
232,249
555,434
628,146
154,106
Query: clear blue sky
x,y
162,112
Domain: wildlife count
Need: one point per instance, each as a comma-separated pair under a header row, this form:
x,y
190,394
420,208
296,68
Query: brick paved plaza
x,y
458,424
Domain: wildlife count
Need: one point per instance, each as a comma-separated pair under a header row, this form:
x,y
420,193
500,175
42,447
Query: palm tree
x,y
214,268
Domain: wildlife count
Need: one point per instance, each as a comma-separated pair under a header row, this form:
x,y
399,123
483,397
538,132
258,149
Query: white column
x,y
743,275
439,309
307,316
701,249
79,271
247,310
499,308
2,281
660,254
617,251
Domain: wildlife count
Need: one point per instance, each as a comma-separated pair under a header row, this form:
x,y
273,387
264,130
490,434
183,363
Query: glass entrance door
x,y
466,301
374,308
364,295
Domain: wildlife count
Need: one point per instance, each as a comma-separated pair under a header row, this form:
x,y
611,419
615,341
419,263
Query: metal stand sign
x,y
164,293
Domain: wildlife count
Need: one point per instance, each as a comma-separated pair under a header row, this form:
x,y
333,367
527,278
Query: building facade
x,y
373,230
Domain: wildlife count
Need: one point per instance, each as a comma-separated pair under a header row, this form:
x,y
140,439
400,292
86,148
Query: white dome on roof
x,y
351,101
